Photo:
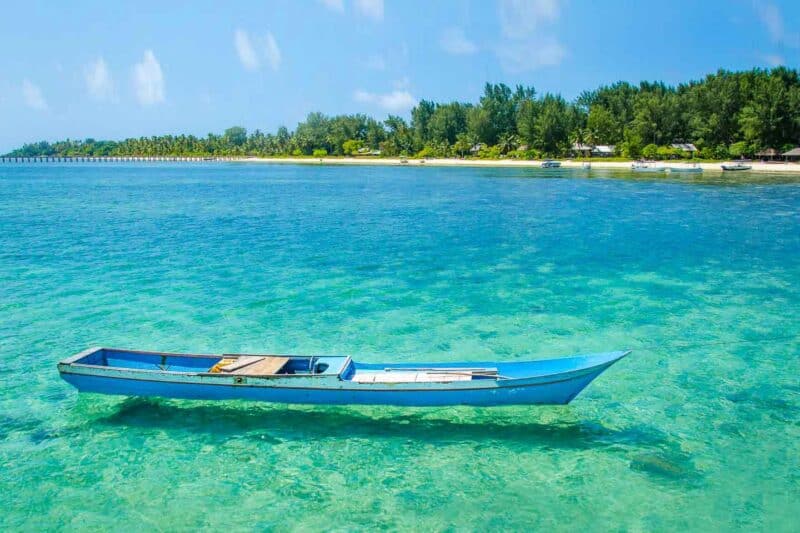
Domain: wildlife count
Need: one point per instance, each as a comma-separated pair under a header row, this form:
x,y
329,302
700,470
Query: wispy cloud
x,y
247,49
98,80
773,60
528,41
33,96
272,52
148,80
772,19
523,56
520,18
370,8
402,83
334,5
375,62
395,101
453,41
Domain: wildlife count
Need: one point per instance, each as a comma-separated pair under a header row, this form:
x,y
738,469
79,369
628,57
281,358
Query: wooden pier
x,y
113,159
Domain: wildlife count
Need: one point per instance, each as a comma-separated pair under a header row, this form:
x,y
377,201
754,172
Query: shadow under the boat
x,y
441,425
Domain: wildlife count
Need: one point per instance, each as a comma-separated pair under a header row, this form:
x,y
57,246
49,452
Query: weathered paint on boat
x,y
341,380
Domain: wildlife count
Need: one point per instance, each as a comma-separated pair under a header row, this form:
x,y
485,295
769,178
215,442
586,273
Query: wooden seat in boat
x,y
256,366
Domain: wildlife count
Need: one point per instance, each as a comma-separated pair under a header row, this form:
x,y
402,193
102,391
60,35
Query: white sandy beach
x,y
453,162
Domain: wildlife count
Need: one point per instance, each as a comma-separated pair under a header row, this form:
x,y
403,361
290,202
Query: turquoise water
x,y
698,429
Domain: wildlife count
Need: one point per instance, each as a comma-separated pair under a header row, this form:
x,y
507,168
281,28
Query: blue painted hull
x,y
555,381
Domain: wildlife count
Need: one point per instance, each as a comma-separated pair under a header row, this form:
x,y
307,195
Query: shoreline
x,y
596,164
782,167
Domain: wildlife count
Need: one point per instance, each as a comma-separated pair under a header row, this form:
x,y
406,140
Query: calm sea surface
x,y
698,429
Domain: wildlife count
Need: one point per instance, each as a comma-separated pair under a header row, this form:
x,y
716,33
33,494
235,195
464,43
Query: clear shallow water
x,y
699,428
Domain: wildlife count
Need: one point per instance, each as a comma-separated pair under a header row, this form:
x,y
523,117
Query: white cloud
x,y
148,80
272,52
99,81
334,5
519,18
244,48
772,19
247,49
773,60
453,41
33,96
528,41
370,8
394,101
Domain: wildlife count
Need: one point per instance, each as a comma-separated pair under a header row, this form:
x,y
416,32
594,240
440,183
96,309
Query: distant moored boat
x,y
645,166
693,169
736,166
549,163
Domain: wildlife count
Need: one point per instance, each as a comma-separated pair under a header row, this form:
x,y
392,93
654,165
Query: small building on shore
x,y
686,148
477,148
792,155
582,150
603,150
768,154
592,150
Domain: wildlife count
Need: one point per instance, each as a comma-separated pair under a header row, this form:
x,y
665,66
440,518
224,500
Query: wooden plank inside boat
x,y
266,366
241,362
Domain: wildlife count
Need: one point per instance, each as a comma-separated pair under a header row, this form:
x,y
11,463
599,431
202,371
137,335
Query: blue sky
x,y
118,69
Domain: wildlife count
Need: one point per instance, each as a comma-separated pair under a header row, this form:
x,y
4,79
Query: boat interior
x,y
247,365
285,365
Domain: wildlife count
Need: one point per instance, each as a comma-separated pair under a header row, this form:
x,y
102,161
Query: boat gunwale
x,y
73,359
348,360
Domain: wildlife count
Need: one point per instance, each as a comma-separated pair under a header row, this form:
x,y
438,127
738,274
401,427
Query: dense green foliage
x,y
728,114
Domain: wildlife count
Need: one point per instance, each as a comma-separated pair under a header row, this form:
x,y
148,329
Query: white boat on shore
x,y
647,166
694,168
549,163
739,165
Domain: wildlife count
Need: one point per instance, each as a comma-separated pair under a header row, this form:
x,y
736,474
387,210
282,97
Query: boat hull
x,y
555,381
560,392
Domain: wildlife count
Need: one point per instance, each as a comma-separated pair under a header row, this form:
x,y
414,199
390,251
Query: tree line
x,y
726,114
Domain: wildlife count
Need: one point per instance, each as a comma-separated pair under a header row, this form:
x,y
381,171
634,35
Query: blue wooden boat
x,y
331,379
